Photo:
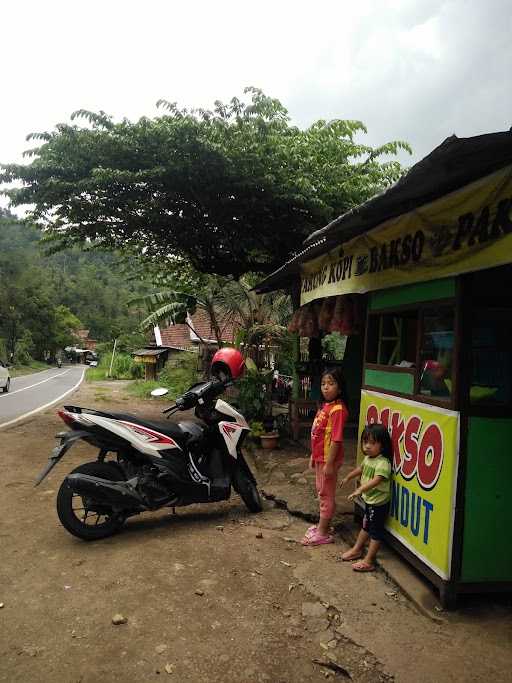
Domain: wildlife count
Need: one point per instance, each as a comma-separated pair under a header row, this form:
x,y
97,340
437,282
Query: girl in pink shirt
x,y
327,452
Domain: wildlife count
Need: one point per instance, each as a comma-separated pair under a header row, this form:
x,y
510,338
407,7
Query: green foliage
x,y
66,325
123,367
232,190
334,345
137,370
179,373
49,298
285,362
257,428
24,349
143,389
130,341
254,394
203,292
3,350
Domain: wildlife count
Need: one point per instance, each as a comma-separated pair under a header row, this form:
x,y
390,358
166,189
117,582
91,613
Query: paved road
x,y
31,393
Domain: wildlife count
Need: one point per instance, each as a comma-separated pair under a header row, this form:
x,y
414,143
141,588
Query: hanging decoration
x,y
341,314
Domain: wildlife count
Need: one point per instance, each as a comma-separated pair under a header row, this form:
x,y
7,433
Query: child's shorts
x,y
374,520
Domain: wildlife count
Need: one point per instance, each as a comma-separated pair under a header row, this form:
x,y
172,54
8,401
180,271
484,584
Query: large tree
x,y
235,189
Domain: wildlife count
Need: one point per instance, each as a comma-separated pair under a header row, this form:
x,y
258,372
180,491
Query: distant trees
x,y
44,300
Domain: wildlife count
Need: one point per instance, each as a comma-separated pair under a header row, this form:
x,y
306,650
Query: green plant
x,y
24,349
254,392
334,345
179,373
123,367
137,370
257,428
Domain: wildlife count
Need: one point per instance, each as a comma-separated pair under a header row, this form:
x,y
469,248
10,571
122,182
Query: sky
x,y
414,70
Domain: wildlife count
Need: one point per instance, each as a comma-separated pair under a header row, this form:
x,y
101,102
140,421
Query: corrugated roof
x,y
148,352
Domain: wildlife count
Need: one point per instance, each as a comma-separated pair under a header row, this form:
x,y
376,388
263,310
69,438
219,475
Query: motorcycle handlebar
x,y
186,401
211,390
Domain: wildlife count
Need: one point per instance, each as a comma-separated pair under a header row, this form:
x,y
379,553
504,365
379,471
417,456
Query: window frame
x,y
420,308
486,410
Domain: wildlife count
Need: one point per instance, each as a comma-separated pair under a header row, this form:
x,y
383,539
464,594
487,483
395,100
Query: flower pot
x,y
269,440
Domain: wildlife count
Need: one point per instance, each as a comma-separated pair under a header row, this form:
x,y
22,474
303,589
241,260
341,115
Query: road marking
x,y
47,405
17,391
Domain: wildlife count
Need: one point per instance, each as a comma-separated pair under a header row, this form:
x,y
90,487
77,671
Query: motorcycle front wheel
x,y
247,491
84,517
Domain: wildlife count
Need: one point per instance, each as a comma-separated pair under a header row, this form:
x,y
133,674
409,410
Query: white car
x,y
5,378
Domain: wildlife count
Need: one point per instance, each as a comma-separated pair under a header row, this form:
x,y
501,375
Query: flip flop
x,y
363,567
351,559
310,531
316,539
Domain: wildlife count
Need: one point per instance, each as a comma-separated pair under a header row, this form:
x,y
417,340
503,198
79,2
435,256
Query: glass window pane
x,y
392,339
436,353
491,358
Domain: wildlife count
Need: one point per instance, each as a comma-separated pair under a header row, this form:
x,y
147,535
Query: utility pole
x,y
112,359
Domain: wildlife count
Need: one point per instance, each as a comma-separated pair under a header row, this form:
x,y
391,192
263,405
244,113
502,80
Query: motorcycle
x,y
144,465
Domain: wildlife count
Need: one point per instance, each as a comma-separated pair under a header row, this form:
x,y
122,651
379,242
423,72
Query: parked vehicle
x,y
5,377
144,465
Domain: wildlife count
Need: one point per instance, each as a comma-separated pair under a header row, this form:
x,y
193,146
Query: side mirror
x,y
159,392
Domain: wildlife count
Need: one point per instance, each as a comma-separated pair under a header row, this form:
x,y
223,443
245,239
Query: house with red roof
x,y
198,332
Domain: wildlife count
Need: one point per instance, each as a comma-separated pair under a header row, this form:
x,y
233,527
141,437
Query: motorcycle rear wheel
x,y
79,515
247,491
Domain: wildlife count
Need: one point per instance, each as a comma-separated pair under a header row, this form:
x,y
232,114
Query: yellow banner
x,y
425,451
466,230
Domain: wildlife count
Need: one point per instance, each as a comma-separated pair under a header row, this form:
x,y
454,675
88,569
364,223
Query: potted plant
x,y
255,403
270,437
269,440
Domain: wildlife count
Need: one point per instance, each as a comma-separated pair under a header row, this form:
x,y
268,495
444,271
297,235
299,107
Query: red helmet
x,y
227,363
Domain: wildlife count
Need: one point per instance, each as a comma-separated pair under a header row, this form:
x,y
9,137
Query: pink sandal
x,y
315,539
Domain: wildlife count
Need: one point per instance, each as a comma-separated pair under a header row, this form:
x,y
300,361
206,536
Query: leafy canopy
x,y
233,190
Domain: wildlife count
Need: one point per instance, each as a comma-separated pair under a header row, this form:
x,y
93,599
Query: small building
x,y
420,279
196,336
85,342
153,359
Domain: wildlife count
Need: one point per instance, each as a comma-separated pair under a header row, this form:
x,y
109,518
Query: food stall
x,y
432,259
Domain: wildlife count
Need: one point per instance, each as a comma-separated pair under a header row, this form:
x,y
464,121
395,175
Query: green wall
x,y
412,294
392,381
487,541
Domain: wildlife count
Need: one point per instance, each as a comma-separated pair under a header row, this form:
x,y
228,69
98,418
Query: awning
x,y
454,164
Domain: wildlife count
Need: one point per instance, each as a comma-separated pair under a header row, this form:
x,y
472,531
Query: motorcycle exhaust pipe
x,y
115,493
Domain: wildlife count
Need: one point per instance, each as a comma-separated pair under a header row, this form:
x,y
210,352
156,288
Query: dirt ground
x,y
209,594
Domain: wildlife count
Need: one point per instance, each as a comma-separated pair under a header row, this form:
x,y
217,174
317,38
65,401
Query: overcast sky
x,y
415,70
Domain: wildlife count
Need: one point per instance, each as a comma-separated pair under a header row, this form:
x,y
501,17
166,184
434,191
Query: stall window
x,y
436,353
491,358
392,339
